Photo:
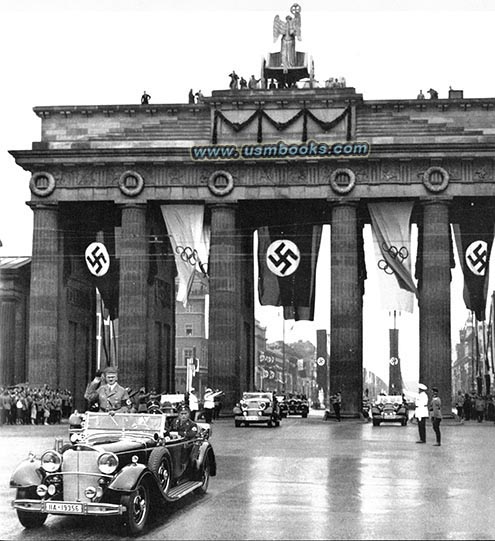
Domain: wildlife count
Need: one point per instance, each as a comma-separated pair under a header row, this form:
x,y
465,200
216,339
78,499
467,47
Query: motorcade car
x,y
257,408
117,464
297,405
389,409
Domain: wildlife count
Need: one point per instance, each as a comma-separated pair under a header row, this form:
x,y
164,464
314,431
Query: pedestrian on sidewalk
x,y
421,412
436,415
336,401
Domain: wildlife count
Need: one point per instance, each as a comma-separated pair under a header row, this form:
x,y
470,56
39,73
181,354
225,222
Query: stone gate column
x,y
47,257
434,301
133,296
225,308
346,319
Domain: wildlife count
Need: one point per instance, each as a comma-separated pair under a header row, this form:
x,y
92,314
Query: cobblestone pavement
x,y
308,479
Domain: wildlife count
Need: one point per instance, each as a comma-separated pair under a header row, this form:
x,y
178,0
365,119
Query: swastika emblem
x,y
320,361
477,257
394,361
97,259
283,257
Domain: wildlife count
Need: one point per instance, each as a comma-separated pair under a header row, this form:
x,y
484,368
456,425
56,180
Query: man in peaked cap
x,y
421,412
110,396
183,425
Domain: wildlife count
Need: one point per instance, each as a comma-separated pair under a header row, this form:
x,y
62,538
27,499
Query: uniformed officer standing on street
x,y
109,396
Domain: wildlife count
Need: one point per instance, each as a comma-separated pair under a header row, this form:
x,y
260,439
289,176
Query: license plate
x,y
56,507
251,418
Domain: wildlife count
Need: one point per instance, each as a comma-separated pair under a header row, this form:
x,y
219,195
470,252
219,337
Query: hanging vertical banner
x,y
287,257
391,227
474,238
190,241
104,270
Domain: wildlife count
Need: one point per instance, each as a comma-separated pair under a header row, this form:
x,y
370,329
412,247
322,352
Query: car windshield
x,y
389,399
256,396
124,421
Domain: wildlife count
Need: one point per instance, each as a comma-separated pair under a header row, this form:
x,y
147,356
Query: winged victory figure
x,y
290,29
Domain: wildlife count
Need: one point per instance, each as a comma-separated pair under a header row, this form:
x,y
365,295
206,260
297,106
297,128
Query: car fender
x,y
128,477
204,450
27,474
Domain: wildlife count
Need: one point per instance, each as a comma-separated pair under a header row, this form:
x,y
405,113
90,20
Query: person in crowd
x,y
336,401
421,411
459,405
436,415
209,403
467,407
92,388
479,404
110,396
183,425
193,403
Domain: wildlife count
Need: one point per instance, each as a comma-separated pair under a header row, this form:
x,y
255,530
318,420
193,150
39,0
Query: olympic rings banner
x,y
391,226
190,240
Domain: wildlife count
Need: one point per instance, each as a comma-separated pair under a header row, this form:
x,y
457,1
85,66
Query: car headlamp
x,y
107,463
244,405
51,461
262,405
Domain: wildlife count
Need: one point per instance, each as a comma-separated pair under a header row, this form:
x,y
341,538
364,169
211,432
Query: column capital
x,y
444,200
42,205
133,205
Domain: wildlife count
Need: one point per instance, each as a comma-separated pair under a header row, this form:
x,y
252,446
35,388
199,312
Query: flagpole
x,y
283,353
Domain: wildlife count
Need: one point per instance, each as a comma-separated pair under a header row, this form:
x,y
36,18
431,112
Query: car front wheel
x,y
27,519
137,505
158,463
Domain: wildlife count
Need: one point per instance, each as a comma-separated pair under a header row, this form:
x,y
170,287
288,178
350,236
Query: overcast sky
x,y
71,52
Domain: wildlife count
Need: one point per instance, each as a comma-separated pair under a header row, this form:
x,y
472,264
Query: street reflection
x,y
280,492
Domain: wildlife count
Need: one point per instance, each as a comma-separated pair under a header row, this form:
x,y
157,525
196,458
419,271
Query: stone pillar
x,y
346,319
225,309
47,256
434,301
133,296
7,341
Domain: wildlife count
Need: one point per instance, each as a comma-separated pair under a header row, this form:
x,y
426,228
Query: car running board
x,y
183,489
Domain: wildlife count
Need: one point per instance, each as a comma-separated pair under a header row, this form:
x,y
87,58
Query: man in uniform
x,y
183,425
110,396
421,412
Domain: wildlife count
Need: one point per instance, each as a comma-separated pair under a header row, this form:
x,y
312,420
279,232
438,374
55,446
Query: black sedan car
x,y
117,465
257,408
297,405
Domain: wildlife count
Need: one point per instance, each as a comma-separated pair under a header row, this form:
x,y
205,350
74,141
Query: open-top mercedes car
x,y
389,409
256,408
118,464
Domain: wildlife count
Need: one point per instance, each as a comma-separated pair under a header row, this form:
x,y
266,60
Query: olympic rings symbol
x,y
191,256
399,255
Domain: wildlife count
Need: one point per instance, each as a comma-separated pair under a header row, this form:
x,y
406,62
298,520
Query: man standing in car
x,y
421,412
110,396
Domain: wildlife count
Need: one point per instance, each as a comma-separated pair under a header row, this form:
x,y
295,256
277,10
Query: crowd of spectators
x,y
25,405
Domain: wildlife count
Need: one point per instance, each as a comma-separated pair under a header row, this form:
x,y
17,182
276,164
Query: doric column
x,y
7,340
225,309
43,304
346,319
434,301
133,296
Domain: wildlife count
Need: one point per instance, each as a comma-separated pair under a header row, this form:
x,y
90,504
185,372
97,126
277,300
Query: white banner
x,y
391,226
190,241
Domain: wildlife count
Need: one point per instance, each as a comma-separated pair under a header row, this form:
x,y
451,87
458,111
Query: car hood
x,y
119,444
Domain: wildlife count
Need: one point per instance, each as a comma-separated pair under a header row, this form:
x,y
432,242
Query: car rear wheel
x,y
27,519
376,422
137,505
159,464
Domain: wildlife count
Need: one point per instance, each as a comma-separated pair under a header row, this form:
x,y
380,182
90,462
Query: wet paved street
x,y
308,479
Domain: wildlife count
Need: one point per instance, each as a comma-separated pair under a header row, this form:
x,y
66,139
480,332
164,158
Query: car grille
x,y
80,470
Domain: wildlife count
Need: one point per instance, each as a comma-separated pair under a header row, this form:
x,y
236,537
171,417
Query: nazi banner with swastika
x,y
474,232
287,257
